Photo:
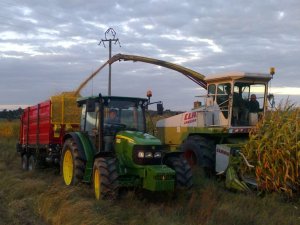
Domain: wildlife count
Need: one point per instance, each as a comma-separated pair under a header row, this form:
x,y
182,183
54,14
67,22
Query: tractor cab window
x,y
223,93
124,115
89,120
248,103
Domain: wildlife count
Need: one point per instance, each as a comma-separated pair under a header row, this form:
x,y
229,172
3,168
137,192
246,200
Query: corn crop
x,y
274,150
9,129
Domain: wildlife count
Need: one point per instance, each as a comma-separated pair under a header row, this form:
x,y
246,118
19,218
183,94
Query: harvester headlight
x,y
141,154
148,155
157,155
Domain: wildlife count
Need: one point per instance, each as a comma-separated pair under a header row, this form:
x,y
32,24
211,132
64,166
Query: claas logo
x,y
190,117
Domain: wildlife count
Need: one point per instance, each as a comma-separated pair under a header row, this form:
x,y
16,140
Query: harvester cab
x,y
113,150
211,134
236,100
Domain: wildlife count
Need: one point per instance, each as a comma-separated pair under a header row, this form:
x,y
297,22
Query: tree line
x,y
11,114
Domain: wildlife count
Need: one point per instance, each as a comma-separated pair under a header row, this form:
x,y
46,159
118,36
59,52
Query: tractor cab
x,y
102,117
239,99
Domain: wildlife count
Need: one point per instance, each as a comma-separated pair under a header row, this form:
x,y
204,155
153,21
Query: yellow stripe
x,y
126,138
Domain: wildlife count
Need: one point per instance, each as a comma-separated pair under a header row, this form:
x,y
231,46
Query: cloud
x,y
285,90
51,46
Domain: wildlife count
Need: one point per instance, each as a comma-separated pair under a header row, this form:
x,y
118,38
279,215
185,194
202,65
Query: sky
x,y
47,47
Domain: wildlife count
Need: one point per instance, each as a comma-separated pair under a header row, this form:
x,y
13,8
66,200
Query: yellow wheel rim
x,y
68,167
97,182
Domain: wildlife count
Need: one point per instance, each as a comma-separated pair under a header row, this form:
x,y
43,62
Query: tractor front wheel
x,y
183,171
105,178
71,165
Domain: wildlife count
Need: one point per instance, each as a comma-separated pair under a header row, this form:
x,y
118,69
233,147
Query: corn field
x,y
274,150
9,129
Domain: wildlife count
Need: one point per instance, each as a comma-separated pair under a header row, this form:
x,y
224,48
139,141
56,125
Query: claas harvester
x,y
212,135
93,149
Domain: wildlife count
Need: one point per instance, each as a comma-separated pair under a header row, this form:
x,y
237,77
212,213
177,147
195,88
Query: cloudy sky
x,y
47,47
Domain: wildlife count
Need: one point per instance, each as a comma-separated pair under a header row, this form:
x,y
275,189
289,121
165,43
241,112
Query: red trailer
x,y
43,127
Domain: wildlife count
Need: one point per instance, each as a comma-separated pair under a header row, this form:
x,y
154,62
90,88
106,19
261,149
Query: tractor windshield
x,y
129,115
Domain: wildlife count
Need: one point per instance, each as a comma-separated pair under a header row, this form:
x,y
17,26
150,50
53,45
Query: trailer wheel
x,y
24,161
72,166
105,178
183,172
32,163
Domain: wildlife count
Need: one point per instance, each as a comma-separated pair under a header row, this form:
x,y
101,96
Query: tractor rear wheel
x,y
105,178
71,166
183,177
24,161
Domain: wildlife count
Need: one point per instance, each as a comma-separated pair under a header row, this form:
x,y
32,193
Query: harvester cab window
x,y
211,90
223,94
239,104
248,103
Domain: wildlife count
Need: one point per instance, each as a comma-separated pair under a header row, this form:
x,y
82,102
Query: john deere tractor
x,y
117,152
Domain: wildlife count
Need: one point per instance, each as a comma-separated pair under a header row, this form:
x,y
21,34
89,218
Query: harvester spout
x,y
191,74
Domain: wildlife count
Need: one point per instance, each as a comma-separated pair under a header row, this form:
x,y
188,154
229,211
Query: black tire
x,y
24,162
77,164
105,178
32,163
183,177
200,151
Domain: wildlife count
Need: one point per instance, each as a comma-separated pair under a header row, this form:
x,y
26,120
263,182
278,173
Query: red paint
x,y
37,127
190,117
223,152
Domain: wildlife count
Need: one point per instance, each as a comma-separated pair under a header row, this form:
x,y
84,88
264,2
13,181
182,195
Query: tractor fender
x,y
83,143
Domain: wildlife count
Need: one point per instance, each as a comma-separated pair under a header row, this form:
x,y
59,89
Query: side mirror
x,y
160,109
90,105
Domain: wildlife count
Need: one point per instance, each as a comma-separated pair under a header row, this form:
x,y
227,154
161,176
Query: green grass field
x,y
42,198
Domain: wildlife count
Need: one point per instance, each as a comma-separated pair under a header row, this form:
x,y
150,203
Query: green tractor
x,y
112,150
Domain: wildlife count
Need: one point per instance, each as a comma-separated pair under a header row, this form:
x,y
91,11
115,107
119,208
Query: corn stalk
x,y
273,148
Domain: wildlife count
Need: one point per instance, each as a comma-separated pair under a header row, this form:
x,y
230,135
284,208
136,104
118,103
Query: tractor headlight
x,y
148,155
141,154
157,155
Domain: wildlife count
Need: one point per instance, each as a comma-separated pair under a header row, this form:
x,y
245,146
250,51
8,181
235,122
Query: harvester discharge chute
x,y
191,74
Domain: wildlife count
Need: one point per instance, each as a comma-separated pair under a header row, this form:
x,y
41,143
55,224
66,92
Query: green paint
x,y
89,154
126,140
159,178
176,135
150,177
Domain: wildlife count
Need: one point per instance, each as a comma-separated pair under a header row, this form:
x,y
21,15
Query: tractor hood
x,y
137,138
129,143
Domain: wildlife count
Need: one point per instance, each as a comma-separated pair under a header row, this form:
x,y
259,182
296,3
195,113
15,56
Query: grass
x,y
42,198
